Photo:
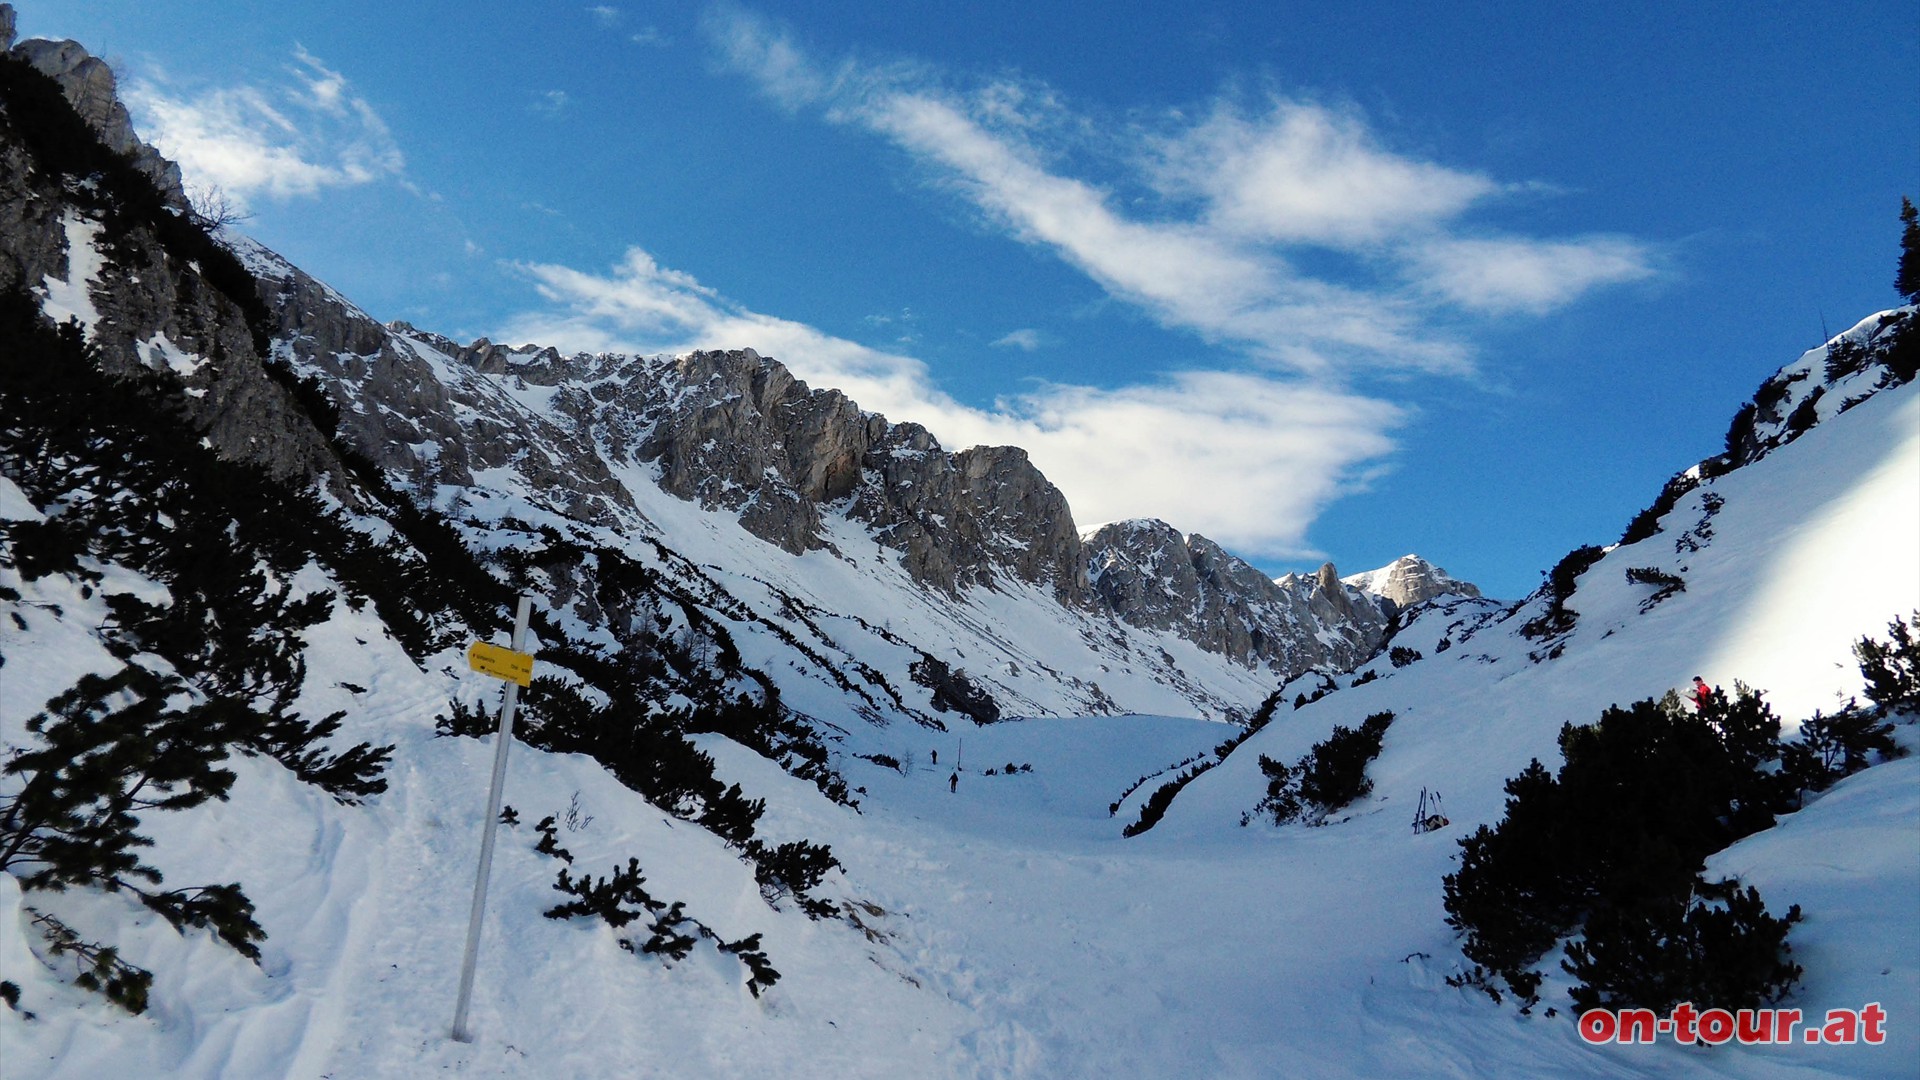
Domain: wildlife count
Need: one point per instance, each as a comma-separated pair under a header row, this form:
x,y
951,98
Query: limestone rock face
x,y
1151,576
417,405
736,432
1410,580
89,84
153,309
964,519
730,431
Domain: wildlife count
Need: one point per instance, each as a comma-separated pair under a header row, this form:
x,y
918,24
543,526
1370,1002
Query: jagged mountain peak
x,y
1154,576
736,433
1410,580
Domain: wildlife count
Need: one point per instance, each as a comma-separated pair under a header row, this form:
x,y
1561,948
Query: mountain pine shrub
x,y
1330,777
1891,668
99,967
617,899
1559,586
1617,839
621,898
113,748
793,869
1665,584
1831,748
1907,280
1717,945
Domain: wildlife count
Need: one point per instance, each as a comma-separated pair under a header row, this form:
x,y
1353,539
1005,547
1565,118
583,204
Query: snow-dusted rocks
x,y
594,439
1410,580
1152,577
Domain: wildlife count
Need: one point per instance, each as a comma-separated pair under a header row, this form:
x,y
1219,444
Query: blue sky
x,y
1317,280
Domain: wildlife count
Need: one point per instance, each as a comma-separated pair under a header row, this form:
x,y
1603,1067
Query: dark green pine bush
x,y
1616,841
1331,775
1719,945
1891,668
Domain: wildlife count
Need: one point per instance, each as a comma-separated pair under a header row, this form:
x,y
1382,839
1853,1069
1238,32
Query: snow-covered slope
x,y
987,918
1786,562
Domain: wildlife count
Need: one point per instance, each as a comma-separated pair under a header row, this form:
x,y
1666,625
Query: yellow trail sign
x,y
501,663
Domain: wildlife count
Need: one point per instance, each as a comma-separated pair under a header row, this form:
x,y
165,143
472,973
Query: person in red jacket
x,y
1701,694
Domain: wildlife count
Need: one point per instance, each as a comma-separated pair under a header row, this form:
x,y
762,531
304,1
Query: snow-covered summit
x,y
1410,580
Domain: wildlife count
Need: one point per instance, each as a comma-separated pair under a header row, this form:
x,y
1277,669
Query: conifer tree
x,y
115,747
1908,279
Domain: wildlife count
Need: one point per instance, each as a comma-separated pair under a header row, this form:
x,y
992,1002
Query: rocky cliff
x,y
1152,577
100,233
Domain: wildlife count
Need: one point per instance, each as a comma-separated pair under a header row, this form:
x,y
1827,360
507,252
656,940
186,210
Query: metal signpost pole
x,y
487,828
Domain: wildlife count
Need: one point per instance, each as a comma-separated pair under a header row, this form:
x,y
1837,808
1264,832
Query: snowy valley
x,y
921,779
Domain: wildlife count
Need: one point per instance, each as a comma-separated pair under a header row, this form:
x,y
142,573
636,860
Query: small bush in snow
x,y
1559,586
1664,584
100,968
114,748
1332,774
1891,668
793,869
621,898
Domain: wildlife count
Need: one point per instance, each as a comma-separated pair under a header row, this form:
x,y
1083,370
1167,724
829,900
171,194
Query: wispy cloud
x,y
1239,193
1505,275
1272,452
1303,173
550,102
1026,340
293,139
605,15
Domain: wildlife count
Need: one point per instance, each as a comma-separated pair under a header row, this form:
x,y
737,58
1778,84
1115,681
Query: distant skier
x,y
1702,695
936,757
953,782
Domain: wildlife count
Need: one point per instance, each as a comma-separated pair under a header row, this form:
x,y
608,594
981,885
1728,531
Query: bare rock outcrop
x,y
1151,576
1411,580
90,86
150,301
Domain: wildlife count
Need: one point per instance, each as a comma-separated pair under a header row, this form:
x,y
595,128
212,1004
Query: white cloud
x,y
1304,173
1184,274
604,15
550,102
1504,274
1026,340
1237,194
1246,458
291,140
